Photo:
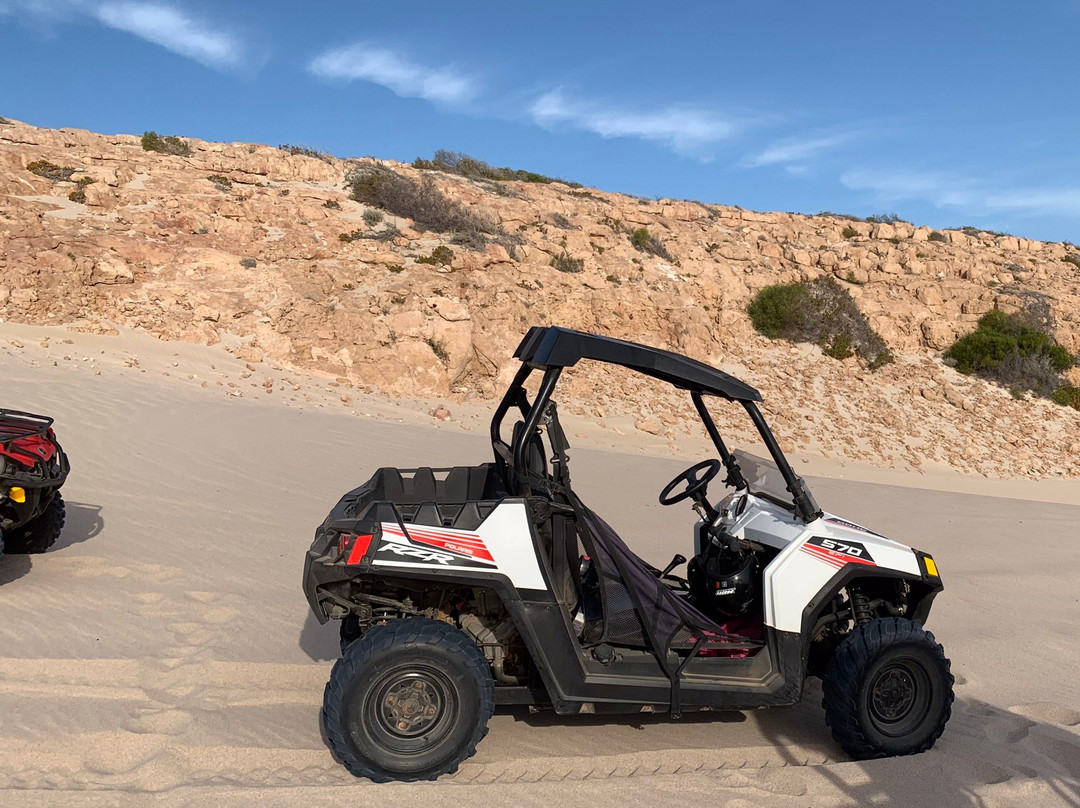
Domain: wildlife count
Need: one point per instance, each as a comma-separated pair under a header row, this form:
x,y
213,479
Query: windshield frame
x,y
802,502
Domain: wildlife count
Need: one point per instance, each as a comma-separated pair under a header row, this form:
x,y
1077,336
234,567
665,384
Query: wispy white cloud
x,y
799,150
940,188
683,129
950,190
176,31
389,68
1039,201
169,26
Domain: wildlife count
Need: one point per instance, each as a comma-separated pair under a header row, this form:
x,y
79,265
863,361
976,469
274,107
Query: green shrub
x,y
169,144
839,347
4,121
423,203
452,162
372,217
1067,396
644,241
440,256
1060,358
1014,351
883,218
564,263
221,182
1072,259
248,262
50,171
936,236
332,204
780,310
822,312
849,232
79,194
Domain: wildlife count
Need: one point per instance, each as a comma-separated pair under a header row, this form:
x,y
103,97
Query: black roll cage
x,y
551,348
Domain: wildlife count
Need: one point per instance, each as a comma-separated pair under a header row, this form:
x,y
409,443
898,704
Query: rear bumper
x,y
320,569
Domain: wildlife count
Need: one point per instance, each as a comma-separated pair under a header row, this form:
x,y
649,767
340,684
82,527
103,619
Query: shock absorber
x,y
860,607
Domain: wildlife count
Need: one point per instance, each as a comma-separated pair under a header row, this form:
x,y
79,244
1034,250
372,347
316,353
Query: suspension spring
x,y
381,614
860,607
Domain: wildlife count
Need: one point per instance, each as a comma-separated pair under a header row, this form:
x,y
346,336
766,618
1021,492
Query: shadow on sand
x,y
320,643
83,522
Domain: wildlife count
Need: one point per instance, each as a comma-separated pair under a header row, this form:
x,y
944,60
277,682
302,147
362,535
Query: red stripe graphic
x,y
460,542
824,555
459,539
832,562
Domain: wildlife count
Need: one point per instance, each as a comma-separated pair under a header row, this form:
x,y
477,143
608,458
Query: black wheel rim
x,y
898,698
411,710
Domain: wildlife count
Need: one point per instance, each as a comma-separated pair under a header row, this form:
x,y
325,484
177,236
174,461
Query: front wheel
x,y
41,532
888,690
408,701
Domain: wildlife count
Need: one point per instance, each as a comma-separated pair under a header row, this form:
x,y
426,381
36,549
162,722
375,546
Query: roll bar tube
x,y
515,394
805,505
735,478
536,412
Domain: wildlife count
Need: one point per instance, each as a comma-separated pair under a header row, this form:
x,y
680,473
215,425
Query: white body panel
x,y
504,537
800,572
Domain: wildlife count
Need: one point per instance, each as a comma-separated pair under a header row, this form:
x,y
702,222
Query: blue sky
x,y
949,114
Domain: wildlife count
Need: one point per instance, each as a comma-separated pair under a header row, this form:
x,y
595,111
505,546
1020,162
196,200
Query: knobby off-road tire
x,y
888,690
408,701
41,532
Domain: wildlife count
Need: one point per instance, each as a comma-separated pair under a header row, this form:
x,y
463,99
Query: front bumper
x,y
39,484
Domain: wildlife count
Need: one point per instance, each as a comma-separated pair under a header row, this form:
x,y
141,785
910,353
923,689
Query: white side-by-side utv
x,y
460,589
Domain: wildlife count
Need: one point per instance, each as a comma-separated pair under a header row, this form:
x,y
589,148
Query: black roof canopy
x,y
552,346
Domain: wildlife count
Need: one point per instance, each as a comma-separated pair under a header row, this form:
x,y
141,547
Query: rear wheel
x,y
41,532
408,701
888,690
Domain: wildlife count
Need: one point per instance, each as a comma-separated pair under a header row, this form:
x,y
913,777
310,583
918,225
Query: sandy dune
x,y
162,653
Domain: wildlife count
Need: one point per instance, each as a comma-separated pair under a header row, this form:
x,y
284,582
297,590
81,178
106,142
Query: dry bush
x,y
643,240
423,203
463,165
168,144
819,311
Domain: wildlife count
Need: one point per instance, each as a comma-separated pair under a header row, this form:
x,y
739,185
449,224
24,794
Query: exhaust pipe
x,y
489,644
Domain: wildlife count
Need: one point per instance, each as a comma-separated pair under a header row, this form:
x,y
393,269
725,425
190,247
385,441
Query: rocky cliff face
x,y
253,260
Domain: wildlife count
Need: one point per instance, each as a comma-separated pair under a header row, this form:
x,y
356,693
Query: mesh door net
x,y
639,610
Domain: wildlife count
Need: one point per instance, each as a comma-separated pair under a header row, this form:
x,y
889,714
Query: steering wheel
x,y
697,477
